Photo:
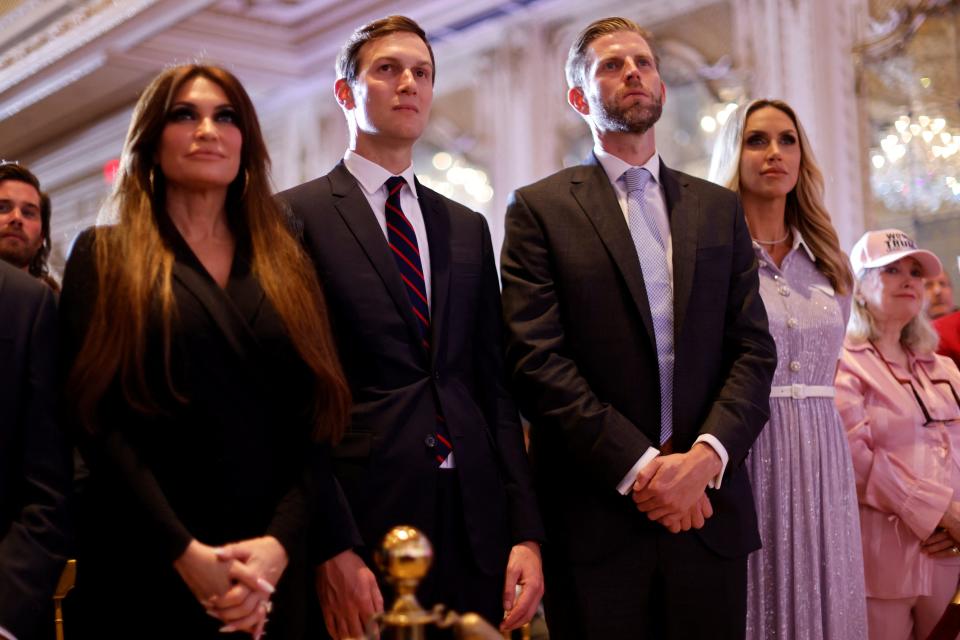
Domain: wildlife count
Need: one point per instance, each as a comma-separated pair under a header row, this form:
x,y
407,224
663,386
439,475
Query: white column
x,y
517,106
303,140
801,51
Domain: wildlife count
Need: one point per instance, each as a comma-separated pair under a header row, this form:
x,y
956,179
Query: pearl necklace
x,y
773,242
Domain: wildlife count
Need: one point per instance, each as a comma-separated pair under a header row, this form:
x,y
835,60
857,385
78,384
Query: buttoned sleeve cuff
x,y
625,485
716,445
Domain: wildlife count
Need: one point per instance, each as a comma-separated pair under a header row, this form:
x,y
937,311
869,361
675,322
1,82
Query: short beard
x,y
637,118
18,258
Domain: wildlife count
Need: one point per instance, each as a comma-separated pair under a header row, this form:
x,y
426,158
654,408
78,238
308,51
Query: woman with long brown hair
x,y
202,377
806,583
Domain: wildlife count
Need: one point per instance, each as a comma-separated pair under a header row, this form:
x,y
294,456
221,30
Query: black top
x,y
34,457
231,458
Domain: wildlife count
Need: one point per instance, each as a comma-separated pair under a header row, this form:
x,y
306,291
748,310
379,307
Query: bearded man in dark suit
x,y
35,464
640,353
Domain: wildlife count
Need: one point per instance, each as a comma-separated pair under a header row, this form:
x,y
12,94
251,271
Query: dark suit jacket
x,y
35,464
231,459
582,351
384,464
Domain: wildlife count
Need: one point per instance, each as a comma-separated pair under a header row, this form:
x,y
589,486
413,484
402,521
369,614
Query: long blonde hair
x,y
134,265
805,209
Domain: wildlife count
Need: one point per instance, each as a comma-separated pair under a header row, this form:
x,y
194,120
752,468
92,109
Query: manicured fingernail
x,y
227,629
266,586
219,552
212,614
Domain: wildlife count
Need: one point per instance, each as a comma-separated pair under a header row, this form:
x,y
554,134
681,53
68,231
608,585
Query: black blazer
x,y
35,464
582,352
232,460
384,464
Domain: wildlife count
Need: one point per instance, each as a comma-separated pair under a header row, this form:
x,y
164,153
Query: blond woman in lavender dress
x,y
806,583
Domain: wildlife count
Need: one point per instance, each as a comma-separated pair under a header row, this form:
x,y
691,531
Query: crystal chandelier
x,y
916,165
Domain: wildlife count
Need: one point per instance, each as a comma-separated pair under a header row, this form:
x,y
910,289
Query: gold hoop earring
x,y
246,182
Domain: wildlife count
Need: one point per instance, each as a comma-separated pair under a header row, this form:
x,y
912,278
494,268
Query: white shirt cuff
x,y
626,484
721,451
6,635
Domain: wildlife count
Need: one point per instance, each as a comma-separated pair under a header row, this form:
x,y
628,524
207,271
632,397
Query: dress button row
x,y
794,365
783,291
792,323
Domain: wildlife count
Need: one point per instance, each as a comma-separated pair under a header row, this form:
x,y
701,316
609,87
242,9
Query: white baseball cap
x,y
879,248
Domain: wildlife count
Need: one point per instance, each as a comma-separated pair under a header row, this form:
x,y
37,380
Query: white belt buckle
x,y
798,391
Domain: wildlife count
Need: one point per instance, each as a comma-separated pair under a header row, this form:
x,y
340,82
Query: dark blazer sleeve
x,y
316,499
33,549
546,379
525,522
110,447
332,527
742,406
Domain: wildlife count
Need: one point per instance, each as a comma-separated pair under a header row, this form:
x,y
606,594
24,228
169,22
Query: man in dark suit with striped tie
x,y
411,284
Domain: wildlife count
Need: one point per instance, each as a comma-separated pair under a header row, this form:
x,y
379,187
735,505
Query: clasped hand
x,y
671,489
234,583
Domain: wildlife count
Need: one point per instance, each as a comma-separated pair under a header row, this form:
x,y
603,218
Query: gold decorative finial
x,y
405,558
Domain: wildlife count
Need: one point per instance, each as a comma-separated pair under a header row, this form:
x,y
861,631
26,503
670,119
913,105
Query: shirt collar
x,y
798,241
371,176
864,345
614,166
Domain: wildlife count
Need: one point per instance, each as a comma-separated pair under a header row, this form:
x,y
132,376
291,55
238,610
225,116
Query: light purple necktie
x,y
652,251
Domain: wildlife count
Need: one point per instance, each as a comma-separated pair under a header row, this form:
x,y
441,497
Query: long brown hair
x,y
805,209
134,264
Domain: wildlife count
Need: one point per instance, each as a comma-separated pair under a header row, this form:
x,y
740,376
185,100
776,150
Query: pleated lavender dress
x,y
806,583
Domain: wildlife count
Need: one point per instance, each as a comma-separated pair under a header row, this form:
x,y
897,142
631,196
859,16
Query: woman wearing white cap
x,y
806,583
899,403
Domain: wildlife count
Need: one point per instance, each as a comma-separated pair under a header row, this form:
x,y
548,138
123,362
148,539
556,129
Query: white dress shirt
x,y
655,205
372,178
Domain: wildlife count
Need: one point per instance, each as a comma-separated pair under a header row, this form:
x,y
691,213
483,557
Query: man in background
x,y
35,464
25,222
939,292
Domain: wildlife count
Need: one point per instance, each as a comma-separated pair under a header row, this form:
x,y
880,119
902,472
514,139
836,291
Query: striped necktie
x,y
403,244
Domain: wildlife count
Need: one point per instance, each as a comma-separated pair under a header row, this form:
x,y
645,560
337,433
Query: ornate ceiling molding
x,y
888,37
66,35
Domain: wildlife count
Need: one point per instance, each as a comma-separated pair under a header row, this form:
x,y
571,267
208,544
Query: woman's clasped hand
x,y
234,582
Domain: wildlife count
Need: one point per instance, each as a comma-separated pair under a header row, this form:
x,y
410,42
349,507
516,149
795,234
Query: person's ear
x,y
344,93
578,101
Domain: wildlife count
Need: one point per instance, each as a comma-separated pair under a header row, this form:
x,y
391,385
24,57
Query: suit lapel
x,y
437,221
355,210
684,212
235,328
592,189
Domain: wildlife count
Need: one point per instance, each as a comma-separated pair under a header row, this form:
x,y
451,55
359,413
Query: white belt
x,y
801,391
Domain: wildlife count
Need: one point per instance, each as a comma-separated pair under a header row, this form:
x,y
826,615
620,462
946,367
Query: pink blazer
x,y
906,472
